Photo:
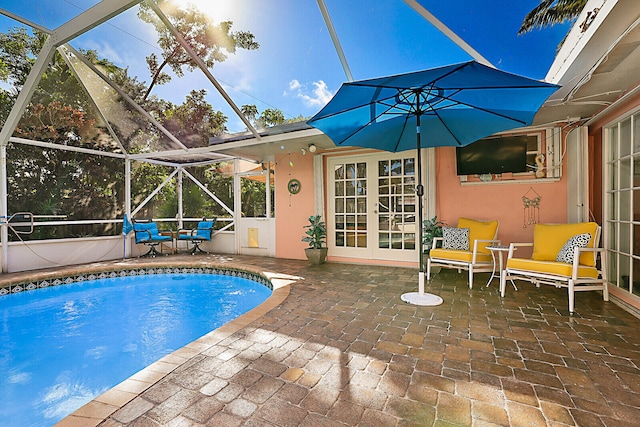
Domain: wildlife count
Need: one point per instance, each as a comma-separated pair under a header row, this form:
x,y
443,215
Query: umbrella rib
x,y
475,107
404,127
375,84
391,106
486,111
355,107
363,126
435,113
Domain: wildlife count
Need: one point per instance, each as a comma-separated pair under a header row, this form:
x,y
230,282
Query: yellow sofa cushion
x,y
480,230
548,239
551,267
456,255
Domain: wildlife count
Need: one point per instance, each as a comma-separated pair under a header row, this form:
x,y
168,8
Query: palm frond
x,y
551,12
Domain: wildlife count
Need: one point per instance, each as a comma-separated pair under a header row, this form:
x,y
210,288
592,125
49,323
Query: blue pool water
x,y
62,346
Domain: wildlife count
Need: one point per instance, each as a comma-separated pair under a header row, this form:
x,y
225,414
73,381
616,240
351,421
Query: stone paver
x,y
342,349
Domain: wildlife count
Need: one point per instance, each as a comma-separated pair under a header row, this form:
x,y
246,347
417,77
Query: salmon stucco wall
x,y
293,210
495,201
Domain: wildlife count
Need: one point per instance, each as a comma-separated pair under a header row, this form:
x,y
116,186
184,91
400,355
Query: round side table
x,y
498,251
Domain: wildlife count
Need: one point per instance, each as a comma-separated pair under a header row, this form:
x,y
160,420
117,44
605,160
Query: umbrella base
x,y
421,299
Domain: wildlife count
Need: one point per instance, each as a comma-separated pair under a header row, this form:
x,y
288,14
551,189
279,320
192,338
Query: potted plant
x,y
430,228
316,235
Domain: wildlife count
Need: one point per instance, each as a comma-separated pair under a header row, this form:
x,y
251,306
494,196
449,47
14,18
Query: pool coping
x,y
97,410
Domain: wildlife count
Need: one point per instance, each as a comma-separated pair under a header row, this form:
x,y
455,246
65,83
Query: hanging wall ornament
x,y
290,180
531,201
293,186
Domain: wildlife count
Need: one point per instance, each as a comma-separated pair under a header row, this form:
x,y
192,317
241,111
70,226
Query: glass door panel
x,y
396,204
349,215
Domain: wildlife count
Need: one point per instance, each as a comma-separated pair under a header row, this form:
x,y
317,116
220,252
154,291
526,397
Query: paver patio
x,y
342,349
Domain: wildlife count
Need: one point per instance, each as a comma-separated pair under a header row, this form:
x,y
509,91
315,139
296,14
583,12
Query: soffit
x,y
273,142
604,69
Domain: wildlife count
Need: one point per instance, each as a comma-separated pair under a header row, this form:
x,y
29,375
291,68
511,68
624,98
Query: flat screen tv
x,y
493,155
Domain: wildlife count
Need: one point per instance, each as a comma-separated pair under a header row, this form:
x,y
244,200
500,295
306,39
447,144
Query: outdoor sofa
x,y
465,247
565,256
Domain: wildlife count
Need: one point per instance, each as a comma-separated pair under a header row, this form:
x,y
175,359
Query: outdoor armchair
x,y
465,247
147,233
564,256
202,233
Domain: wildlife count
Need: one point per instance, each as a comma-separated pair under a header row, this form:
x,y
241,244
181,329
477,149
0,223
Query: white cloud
x,y
317,96
294,84
106,50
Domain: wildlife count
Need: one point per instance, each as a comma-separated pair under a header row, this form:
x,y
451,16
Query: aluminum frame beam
x,y
448,32
334,38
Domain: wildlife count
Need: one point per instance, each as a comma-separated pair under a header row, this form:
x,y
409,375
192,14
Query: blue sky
x,y
296,68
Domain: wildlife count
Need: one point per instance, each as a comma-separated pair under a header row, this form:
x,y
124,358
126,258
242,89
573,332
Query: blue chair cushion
x,y
143,229
203,232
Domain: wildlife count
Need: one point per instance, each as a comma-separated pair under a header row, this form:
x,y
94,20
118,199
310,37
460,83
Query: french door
x,y
372,206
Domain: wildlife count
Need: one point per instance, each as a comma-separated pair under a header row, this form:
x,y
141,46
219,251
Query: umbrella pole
x,y
419,195
420,297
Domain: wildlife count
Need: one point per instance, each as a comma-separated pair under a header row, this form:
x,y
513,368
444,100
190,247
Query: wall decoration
x,y
531,201
292,182
540,169
293,186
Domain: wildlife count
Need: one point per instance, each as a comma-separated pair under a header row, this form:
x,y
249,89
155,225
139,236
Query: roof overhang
x,y
282,139
597,63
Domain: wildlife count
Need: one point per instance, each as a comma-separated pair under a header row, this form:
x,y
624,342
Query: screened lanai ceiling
x,y
116,118
307,48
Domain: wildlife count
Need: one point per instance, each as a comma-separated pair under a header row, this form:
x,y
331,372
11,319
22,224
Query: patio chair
x,y
203,233
564,256
147,233
465,247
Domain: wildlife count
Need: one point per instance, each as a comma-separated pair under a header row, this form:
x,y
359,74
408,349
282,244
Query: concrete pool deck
x,y
335,346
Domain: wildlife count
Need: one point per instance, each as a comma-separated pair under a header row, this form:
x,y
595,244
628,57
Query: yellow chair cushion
x,y
456,255
548,239
551,267
480,230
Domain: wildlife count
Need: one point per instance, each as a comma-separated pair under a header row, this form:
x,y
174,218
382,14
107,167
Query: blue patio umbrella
x,y
453,105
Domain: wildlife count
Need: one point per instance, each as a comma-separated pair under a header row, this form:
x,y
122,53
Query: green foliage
x,y
194,121
222,186
212,42
55,182
299,118
550,12
250,111
50,182
270,117
254,204
18,50
431,228
193,201
316,232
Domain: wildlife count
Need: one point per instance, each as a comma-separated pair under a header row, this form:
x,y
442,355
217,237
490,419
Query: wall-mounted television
x,y
494,155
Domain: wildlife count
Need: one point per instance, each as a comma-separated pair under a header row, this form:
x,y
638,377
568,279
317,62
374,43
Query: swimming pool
x,y
62,346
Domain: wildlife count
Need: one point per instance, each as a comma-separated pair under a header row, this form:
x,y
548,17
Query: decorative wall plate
x,y
293,186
